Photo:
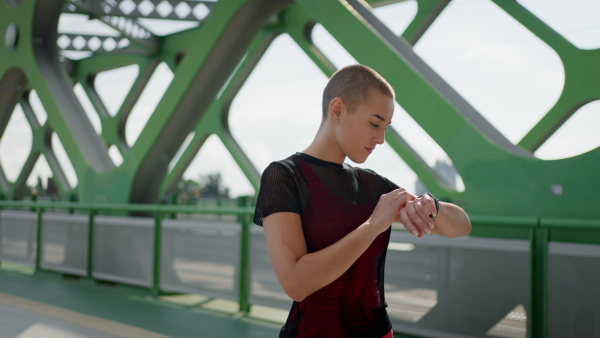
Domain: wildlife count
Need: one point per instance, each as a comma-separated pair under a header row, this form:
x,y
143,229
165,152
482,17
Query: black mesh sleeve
x,y
278,193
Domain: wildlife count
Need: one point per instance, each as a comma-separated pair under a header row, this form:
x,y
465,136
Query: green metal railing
x,y
242,211
538,231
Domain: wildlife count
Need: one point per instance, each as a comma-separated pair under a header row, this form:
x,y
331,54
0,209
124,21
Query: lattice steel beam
x,y
165,9
128,27
96,43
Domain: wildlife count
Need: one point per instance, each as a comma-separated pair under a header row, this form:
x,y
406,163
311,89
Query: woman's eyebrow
x,y
380,118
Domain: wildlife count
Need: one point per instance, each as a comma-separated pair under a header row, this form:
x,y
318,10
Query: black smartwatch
x,y
437,206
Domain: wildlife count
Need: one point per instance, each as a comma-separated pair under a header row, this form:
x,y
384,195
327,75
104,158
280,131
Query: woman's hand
x,y
387,209
415,215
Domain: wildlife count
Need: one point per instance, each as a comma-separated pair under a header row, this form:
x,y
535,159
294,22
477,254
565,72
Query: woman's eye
x,y
373,124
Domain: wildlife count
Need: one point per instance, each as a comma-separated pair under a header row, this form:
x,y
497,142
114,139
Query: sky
x,y
504,71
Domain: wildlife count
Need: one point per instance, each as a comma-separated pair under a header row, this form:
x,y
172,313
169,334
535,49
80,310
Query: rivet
x,y
11,37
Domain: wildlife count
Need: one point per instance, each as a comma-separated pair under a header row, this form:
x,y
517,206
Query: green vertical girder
x,y
212,62
90,244
538,281
244,266
38,240
156,252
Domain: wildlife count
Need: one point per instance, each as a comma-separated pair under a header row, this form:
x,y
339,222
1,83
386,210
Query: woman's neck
x,y
325,147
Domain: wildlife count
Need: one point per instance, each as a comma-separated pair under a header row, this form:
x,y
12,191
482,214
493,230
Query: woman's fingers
x,y
416,216
421,213
414,213
388,207
408,224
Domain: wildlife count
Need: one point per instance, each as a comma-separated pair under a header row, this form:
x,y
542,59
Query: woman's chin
x,y
358,159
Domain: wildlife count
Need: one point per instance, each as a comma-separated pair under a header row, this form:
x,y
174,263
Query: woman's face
x,y
358,132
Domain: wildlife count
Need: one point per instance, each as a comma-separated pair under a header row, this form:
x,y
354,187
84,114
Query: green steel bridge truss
x,y
211,63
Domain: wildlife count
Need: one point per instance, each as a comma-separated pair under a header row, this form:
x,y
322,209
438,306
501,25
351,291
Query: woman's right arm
x,y
300,273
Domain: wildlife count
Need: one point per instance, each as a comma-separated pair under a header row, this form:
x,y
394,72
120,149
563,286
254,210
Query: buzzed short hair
x,y
353,84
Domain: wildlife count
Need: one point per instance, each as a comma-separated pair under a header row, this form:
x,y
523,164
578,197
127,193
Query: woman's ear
x,y
335,108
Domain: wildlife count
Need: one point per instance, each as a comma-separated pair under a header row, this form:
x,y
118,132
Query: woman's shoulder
x,y
280,190
283,171
281,167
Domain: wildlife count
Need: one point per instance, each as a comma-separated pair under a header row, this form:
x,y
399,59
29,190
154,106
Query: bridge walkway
x,y
44,304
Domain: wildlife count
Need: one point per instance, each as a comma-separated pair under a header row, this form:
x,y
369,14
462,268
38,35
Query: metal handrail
x,y
538,228
163,208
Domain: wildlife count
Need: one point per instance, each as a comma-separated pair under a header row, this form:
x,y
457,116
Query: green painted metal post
x,y
244,287
90,251
1,208
33,199
72,198
219,205
38,248
157,248
172,201
538,322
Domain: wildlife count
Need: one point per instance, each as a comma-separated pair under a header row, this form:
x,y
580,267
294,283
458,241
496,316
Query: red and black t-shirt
x,y
332,200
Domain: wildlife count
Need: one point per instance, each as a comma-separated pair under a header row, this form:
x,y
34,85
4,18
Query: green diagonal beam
x,y
582,75
35,55
41,144
205,68
215,121
5,185
427,12
499,178
436,115
298,25
10,80
113,127
37,146
297,21
255,52
18,187
65,114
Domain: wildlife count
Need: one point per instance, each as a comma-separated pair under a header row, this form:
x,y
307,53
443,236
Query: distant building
x,y
51,189
446,171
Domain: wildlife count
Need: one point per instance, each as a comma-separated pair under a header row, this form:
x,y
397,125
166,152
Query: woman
x,y
327,224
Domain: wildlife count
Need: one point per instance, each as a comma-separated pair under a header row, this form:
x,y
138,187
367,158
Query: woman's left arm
x,y
450,221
